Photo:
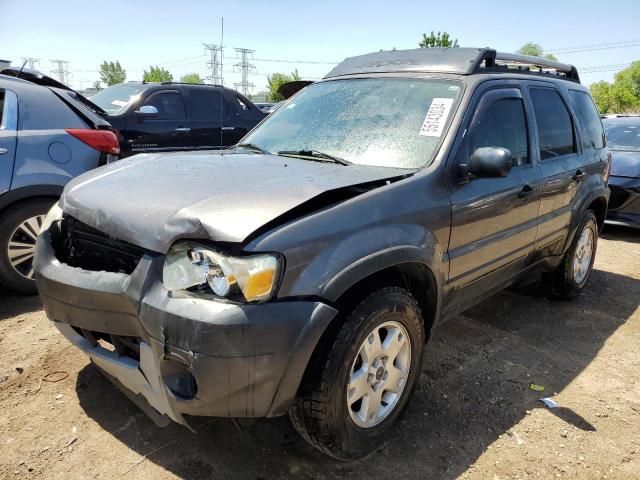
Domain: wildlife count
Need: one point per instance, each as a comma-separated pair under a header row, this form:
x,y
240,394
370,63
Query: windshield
x,y
116,98
623,135
389,122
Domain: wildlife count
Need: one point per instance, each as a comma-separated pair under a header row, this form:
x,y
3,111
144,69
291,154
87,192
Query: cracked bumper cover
x,y
247,360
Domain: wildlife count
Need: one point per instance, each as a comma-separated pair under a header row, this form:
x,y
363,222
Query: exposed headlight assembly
x,y
251,278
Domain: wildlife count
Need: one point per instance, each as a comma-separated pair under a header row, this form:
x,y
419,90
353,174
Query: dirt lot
x,y
473,416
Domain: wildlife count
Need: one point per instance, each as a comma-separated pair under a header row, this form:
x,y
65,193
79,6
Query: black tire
x,y
12,217
563,280
320,412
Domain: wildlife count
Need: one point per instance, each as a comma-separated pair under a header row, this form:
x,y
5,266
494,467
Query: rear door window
x,y
207,103
169,104
8,110
555,130
588,119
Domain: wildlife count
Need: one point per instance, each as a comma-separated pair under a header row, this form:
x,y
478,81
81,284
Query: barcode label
x,y
436,117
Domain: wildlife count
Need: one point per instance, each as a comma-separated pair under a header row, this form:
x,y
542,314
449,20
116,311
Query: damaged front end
x,y
174,353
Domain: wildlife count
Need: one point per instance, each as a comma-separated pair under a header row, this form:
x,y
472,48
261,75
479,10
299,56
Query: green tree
x,y
442,39
97,85
191,78
623,95
276,80
535,50
157,74
601,93
112,73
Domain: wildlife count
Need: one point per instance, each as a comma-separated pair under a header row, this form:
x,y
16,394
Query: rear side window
x,y
588,119
208,103
8,110
502,124
169,104
555,131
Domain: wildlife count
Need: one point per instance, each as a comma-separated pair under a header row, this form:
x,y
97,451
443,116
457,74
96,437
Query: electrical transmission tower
x,y
215,62
245,67
31,61
61,69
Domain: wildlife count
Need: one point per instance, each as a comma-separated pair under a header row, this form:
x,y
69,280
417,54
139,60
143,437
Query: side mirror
x,y
488,162
147,111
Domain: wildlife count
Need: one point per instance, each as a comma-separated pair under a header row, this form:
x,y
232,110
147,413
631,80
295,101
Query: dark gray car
x,y
305,271
623,140
47,137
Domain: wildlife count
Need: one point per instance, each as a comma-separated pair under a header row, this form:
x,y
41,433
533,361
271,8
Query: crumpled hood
x,y
625,164
152,200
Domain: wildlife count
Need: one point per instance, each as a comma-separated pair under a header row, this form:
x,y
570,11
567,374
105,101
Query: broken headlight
x,y
54,214
251,278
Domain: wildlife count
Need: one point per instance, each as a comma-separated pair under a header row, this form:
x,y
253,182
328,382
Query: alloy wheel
x,y
379,374
583,255
22,245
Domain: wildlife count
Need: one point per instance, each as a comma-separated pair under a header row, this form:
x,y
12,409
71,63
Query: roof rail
x,y
188,83
500,61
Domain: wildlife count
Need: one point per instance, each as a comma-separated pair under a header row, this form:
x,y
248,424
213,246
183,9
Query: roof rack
x,y
460,61
500,61
187,83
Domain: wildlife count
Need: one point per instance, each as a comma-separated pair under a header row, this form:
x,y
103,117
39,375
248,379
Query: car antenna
x,y
221,78
21,68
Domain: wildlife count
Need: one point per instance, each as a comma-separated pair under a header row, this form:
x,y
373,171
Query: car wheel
x,y
572,275
360,378
18,232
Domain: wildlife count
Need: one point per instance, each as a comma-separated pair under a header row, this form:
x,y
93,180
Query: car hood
x,y
625,163
151,200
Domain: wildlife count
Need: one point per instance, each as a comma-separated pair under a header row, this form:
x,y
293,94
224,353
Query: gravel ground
x,y
473,415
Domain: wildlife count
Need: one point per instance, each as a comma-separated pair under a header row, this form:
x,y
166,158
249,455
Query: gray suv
x,y
305,271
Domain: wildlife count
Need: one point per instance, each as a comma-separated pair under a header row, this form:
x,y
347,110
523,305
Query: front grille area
x,y
122,345
82,246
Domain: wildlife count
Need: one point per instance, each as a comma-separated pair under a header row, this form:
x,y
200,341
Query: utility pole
x,y
245,67
61,69
215,62
32,61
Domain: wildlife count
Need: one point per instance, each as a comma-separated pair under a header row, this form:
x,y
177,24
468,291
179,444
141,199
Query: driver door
x,y
494,220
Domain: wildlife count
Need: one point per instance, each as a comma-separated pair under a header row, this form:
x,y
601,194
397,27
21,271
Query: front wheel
x,y
572,275
360,379
19,229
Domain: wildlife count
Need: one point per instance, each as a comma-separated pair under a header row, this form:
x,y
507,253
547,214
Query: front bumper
x,y
245,360
624,204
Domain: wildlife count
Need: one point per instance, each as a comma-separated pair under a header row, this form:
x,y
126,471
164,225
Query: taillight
x,y
102,140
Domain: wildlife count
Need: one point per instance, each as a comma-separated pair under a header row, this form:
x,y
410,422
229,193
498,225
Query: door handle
x,y
3,151
526,191
579,176
183,129
228,128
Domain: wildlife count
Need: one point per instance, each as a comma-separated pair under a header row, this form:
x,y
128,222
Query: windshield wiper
x,y
253,147
315,155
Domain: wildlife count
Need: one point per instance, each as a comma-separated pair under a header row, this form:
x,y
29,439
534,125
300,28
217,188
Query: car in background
x,y
170,116
264,106
47,137
623,140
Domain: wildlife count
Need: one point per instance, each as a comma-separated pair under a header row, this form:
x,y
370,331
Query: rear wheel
x,y
18,232
572,275
360,378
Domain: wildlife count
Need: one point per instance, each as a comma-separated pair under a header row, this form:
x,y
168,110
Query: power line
x,y
245,67
596,46
61,69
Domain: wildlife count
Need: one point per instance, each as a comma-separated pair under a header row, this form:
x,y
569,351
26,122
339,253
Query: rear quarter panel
x,y
46,154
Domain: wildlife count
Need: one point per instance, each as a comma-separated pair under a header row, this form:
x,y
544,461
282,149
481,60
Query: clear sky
x,y
170,33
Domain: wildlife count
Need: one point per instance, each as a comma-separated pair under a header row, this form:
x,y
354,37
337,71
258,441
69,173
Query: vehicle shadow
x,y
616,232
473,388
13,304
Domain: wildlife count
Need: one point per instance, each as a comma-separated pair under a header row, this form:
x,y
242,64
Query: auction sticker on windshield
x,y
436,117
